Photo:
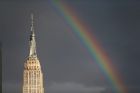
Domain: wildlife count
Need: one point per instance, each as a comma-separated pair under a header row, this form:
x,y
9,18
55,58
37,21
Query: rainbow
x,y
92,46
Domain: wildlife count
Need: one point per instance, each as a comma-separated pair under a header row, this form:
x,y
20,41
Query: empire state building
x,y
32,75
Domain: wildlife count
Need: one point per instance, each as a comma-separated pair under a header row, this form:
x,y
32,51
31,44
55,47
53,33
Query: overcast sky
x,y
66,69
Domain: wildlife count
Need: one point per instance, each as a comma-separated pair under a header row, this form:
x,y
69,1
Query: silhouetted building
x,y
1,66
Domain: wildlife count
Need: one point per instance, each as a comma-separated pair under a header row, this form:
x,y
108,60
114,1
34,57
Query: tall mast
x,y
32,39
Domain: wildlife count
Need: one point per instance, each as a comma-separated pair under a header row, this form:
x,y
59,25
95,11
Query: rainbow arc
x,y
91,44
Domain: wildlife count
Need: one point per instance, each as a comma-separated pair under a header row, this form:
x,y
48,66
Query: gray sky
x,y
116,24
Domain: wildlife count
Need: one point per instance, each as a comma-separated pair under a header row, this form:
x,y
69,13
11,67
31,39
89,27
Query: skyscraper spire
x,y
32,39
32,75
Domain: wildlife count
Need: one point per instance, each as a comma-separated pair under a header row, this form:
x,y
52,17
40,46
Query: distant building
x,y
1,66
32,75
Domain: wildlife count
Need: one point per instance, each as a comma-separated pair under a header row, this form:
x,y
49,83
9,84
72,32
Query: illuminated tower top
x,y
32,75
32,39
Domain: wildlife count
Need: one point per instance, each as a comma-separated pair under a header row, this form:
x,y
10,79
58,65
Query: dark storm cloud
x,y
69,87
11,87
115,24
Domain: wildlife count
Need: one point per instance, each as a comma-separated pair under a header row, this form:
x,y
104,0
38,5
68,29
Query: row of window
x,y
32,67
32,90
32,82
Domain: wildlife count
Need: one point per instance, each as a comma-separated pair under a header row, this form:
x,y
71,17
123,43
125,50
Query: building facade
x,y
32,75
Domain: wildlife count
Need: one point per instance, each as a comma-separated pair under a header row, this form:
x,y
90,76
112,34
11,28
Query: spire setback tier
x,y
32,39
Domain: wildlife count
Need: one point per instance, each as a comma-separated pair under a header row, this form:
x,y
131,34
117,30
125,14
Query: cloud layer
x,y
72,87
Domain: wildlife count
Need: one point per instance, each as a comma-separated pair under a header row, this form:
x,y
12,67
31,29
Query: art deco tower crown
x,y
32,75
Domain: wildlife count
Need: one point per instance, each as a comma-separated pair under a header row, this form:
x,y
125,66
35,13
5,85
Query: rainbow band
x,y
92,46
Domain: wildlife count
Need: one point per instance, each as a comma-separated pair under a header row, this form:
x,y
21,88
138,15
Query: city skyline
x,y
66,66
